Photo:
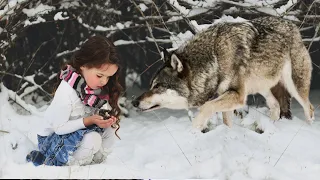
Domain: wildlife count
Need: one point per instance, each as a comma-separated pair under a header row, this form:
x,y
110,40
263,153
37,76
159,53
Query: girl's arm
x,y
58,113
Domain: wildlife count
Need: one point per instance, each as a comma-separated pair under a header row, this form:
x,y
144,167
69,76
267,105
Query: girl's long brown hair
x,y
95,52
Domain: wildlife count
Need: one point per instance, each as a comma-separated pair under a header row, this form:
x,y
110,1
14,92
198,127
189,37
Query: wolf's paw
x,y
286,114
205,130
309,121
201,120
210,126
275,114
199,124
312,115
312,118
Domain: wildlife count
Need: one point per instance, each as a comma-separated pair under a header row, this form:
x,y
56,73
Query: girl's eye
x,y
99,76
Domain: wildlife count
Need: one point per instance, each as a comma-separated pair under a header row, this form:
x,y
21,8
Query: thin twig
x,y
193,29
31,61
3,131
142,73
148,26
314,36
304,18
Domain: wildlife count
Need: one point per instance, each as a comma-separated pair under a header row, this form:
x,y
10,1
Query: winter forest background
x,y
36,36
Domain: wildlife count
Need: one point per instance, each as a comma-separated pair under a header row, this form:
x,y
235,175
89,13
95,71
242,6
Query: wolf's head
x,y
169,86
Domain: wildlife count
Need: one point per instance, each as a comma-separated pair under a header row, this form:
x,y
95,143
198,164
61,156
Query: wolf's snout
x,y
135,103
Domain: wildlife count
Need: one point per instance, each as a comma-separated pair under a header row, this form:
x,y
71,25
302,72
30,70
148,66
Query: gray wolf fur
x,y
231,61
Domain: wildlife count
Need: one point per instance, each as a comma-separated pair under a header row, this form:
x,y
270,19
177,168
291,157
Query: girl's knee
x,y
90,144
92,141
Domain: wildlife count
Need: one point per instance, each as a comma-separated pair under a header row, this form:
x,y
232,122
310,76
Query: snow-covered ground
x,y
162,144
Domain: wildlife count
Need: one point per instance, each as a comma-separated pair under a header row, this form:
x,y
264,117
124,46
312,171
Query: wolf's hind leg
x,y
296,78
228,101
299,89
299,71
273,105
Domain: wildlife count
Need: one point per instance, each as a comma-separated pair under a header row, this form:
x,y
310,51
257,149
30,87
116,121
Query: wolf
x,y
219,67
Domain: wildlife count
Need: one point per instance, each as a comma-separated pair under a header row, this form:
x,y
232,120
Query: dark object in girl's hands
x,y
106,114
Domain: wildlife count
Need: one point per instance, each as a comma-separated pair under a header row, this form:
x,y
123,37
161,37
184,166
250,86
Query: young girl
x,y
72,133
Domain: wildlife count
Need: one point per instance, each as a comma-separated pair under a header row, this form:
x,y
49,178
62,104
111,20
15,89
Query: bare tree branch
x,y
148,26
23,78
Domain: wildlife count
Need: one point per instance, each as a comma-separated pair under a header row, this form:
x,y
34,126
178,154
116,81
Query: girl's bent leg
x,y
90,144
108,139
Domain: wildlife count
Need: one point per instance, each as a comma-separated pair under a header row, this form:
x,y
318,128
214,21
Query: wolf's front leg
x,y
228,101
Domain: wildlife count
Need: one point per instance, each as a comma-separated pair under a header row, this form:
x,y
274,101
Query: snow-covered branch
x,y
265,6
148,26
148,39
315,38
10,8
17,99
29,79
136,27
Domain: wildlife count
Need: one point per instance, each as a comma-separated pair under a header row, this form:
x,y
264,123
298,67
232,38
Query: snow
x,y
174,18
204,4
68,4
226,18
261,2
181,9
117,27
231,10
39,10
59,16
12,3
7,9
126,42
180,38
37,21
284,8
18,99
3,57
162,144
199,7
3,43
143,7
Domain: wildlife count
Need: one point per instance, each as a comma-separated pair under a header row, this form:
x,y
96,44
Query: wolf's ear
x,y
176,63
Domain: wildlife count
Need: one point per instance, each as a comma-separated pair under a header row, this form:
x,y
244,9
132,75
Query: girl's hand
x,y
105,123
87,121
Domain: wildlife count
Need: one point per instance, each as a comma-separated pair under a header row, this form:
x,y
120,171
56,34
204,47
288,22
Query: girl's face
x,y
96,78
